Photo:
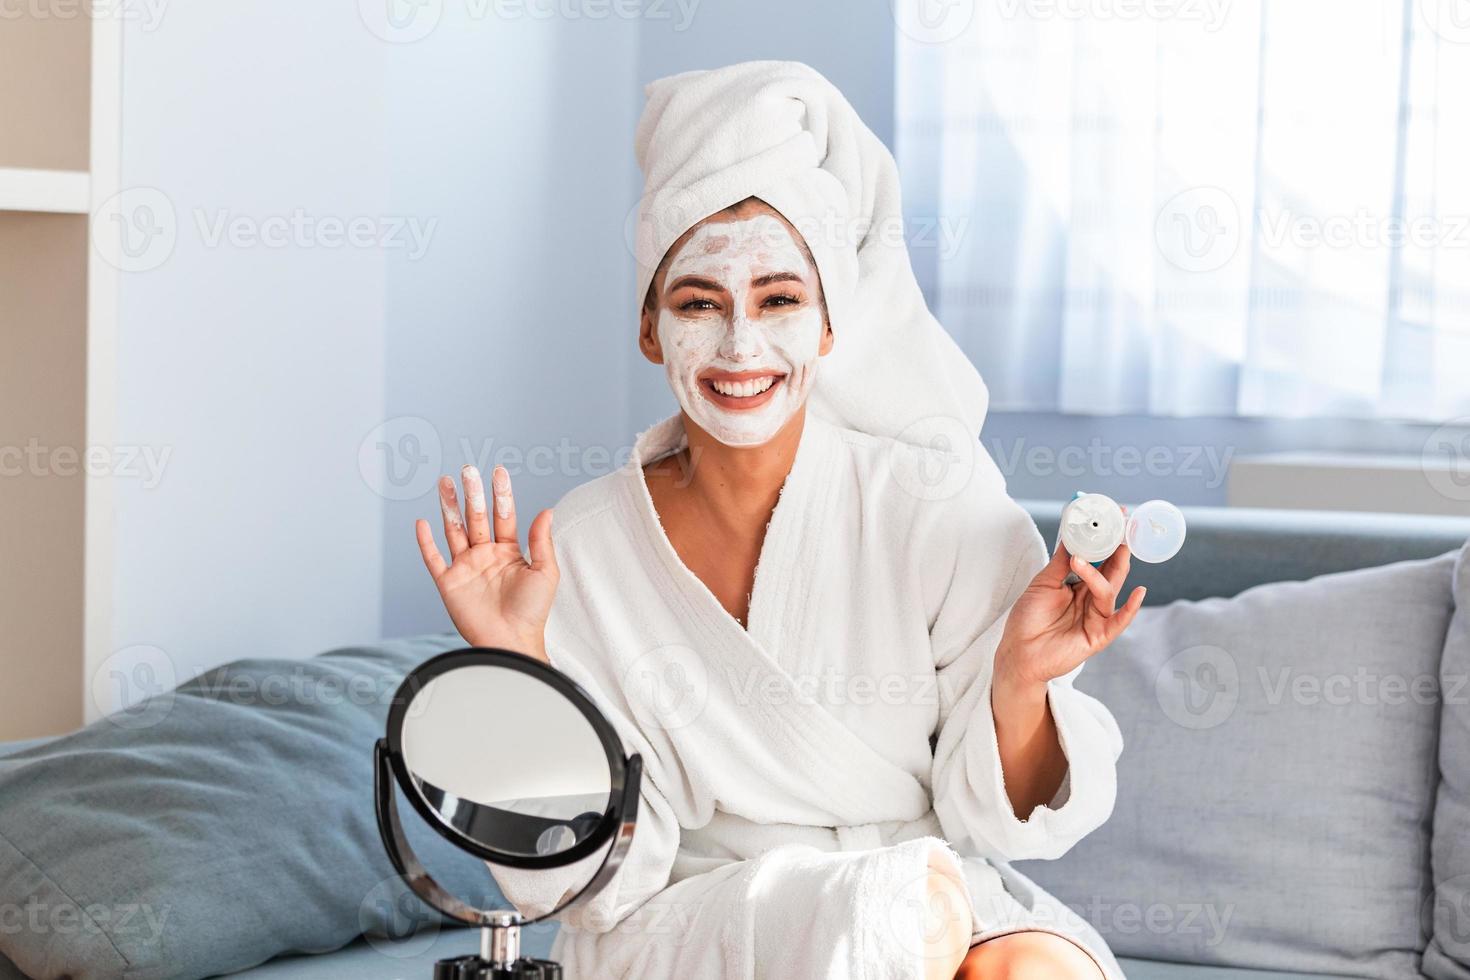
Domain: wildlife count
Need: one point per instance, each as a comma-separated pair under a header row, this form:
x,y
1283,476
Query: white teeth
x,y
743,389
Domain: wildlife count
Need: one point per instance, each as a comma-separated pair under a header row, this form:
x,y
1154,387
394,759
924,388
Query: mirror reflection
x,y
507,760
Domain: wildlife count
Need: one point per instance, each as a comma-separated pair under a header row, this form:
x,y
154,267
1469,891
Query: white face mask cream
x,y
742,357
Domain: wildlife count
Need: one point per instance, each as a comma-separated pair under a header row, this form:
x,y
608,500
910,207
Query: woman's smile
x,y
740,391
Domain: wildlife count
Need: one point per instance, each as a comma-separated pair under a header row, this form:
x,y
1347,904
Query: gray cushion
x,y
214,827
1156,970
1277,779
1448,909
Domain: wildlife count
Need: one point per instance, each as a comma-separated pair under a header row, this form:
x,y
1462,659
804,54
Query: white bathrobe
x,y
799,772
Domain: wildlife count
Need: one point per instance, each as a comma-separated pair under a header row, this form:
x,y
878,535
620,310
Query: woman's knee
x,y
1028,956
947,918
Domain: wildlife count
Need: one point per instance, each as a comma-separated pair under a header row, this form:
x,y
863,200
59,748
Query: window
x,y
1198,207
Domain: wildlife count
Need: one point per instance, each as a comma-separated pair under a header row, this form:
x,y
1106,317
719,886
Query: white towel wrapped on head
x,y
779,131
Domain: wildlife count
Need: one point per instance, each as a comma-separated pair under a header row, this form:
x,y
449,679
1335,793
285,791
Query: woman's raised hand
x,y
495,595
1054,626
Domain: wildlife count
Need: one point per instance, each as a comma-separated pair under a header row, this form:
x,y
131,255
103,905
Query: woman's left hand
x,y
1054,627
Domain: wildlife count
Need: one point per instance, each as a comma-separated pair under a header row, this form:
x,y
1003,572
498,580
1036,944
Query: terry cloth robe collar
x,y
796,758
792,547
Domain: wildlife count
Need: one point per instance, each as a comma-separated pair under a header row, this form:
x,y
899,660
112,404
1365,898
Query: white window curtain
x,y
1196,207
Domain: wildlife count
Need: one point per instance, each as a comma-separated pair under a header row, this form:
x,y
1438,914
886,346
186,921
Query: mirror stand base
x,y
475,968
500,955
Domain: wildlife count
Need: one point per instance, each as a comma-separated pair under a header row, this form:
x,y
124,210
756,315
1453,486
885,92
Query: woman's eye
x,y
781,299
696,305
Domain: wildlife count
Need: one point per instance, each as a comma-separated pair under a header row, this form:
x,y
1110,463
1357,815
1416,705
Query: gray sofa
x,y
1229,551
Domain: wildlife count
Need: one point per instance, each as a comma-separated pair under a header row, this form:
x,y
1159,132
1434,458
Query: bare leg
x,y
1028,956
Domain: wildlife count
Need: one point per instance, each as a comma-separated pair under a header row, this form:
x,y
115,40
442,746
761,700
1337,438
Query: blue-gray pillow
x,y
1447,911
1277,778
221,824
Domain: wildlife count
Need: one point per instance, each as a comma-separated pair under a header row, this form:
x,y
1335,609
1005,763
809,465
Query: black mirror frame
x,y
614,830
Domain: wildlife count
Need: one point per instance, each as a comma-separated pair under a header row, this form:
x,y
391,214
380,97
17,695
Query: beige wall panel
x,y
43,296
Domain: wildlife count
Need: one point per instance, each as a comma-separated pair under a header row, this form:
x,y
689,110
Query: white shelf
x,y
54,191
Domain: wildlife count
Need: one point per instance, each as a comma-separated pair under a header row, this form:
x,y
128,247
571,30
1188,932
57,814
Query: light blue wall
x,y
513,336
257,369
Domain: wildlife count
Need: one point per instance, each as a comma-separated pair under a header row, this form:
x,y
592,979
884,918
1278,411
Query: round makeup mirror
x,y
510,760
507,761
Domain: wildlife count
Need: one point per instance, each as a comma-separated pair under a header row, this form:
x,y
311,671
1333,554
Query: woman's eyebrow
x,y
771,277
698,282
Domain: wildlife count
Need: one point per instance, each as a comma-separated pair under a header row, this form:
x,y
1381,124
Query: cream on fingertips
x,y
447,505
715,359
500,485
474,489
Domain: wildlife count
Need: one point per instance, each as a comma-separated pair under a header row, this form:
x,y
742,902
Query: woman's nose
x,y
743,340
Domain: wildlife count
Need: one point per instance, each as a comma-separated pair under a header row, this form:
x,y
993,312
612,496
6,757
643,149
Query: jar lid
x,y
1155,531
